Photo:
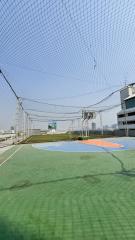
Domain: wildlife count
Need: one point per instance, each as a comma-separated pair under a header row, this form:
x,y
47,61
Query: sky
x,y
58,51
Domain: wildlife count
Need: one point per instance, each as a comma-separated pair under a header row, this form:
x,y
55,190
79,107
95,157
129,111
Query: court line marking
x,y
11,155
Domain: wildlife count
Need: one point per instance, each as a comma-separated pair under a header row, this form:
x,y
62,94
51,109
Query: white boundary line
x,y
11,155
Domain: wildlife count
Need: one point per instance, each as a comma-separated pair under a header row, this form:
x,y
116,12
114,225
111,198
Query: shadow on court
x,y
9,231
90,178
93,179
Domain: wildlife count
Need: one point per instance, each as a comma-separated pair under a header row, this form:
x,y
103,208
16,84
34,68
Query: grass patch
x,y
60,137
50,138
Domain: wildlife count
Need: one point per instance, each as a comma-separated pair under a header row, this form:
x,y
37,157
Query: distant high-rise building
x,y
93,125
114,126
105,127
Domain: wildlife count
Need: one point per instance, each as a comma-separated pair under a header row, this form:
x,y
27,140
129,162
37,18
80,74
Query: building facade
x,y
126,117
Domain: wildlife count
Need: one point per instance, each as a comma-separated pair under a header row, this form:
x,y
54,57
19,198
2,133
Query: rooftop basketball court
x,y
68,195
90,145
67,87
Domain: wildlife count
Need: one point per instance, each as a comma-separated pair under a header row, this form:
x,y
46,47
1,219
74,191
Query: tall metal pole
x,y
101,123
86,127
82,127
28,126
72,125
19,111
17,120
27,116
24,125
126,125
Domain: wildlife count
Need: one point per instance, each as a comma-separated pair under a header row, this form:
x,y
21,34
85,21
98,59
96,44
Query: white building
x,y
35,131
126,117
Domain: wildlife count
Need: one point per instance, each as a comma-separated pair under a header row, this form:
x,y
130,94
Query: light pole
x,y
101,123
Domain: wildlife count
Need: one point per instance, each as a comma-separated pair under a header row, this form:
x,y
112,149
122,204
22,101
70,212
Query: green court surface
x,y
66,196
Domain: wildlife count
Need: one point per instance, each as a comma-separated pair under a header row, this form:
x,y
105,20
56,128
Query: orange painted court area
x,y
101,143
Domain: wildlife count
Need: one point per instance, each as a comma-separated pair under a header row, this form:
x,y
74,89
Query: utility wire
x,y
42,111
71,106
109,108
13,91
57,120
9,84
46,116
104,99
18,98
79,95
49,104
66,113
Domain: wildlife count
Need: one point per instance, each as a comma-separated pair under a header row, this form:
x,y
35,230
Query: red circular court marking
x,y
101,143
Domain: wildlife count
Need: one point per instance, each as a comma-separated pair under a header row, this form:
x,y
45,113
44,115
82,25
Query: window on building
x,y
121,115
131,114
129,122
130,103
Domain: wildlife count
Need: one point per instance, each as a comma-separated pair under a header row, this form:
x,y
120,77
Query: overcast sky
x,y
61,49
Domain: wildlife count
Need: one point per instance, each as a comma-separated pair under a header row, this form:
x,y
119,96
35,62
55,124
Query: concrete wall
x,y
121,133
35,132
114,133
